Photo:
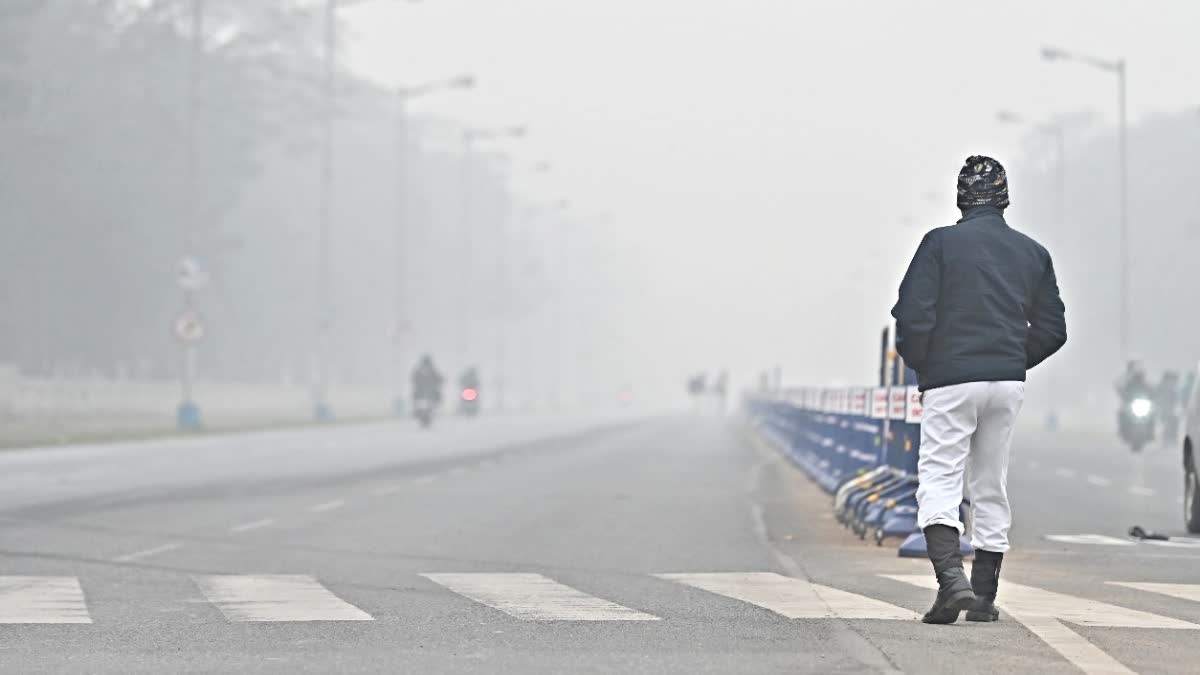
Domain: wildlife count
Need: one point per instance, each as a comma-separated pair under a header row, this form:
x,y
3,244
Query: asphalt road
x,y
570,545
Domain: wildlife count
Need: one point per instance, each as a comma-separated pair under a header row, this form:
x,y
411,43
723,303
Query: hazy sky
x,y
760,156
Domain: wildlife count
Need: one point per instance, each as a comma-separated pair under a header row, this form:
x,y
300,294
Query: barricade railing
x,y
860,444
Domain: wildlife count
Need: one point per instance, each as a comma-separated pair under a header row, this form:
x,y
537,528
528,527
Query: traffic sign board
x,y
190,275
189,326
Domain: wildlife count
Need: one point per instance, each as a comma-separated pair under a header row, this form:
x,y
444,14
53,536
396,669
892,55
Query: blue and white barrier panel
x,y
859,444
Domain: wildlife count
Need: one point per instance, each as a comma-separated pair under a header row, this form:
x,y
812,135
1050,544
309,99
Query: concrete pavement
x,y
581,545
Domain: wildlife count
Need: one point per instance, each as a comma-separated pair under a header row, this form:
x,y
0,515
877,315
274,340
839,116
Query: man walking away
x,y
978,307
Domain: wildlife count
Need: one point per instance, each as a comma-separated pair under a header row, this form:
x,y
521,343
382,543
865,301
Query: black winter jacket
x,y
979,303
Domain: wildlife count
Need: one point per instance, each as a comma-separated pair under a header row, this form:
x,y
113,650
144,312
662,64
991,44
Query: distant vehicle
x,y
1191,481
1136,421
423,411
468,396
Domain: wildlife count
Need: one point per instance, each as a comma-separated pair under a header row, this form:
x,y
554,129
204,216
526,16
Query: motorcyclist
x,y
427,381
1136,427
1133,382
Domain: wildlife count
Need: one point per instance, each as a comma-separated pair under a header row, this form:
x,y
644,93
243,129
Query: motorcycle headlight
x,y
1141,407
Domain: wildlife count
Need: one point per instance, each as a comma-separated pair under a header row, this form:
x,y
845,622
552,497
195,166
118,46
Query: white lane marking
x,y
1075,648
533,597
1142,491
276,597
1176,542
1100,481
327,506
424,480
1090,539
386,490
253,525
1043,611
1183,591
790,597
138,555
1064,472
1027,601
1034,464
458,471
42,600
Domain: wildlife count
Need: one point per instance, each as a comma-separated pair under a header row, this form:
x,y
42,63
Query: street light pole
x,y
321,409
1059,133
1124,160
188,415
401,321
465,264
1118,68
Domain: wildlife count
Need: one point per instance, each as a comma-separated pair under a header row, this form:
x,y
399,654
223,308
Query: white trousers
x,y
968,427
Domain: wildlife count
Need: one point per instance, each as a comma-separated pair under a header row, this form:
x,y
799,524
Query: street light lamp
x,y
404,96
1118,68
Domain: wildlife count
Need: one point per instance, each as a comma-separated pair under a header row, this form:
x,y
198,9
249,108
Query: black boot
x,y
954,589
985,578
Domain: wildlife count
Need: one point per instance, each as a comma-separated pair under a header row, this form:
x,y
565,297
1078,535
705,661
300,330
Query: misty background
x,y
701,185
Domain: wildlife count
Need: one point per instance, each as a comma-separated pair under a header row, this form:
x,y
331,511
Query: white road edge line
x,y
386,490
138,555
253,525
327,506
1100,481
1141,491
1064,472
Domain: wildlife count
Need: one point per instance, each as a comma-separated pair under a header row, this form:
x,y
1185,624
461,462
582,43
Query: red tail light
x,y
469,395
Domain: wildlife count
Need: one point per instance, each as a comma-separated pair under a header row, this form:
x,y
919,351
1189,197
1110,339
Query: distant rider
x,y
427,381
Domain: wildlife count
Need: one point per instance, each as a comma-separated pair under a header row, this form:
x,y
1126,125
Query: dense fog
x,y
627,193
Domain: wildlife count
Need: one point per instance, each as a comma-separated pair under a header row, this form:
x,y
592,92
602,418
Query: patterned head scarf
x,y
982,182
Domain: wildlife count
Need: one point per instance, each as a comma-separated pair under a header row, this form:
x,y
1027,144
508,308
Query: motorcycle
x,y
468,403
1136,421
423,411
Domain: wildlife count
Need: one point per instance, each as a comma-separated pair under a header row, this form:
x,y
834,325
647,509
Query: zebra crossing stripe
x,y
1026,602
791,597
42,600
1183,591
533,597
276,597
1089,539
1044,612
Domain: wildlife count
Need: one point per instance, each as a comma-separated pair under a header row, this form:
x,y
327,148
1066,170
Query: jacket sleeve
x,y
1047,320
916,310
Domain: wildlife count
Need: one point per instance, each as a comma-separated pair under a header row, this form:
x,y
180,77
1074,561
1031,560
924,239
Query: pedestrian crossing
x,y
537,598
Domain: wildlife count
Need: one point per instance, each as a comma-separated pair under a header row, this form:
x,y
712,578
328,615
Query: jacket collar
x,y
981,212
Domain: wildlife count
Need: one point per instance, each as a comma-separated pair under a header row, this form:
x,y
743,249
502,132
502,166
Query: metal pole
x,y
502,288
464,262
321,406
188,416
1124,234
1060,201
401,267
558,331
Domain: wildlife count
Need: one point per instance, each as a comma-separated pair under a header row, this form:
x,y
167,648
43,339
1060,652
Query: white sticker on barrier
x,y
879,403
915,408
897,403
858,401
